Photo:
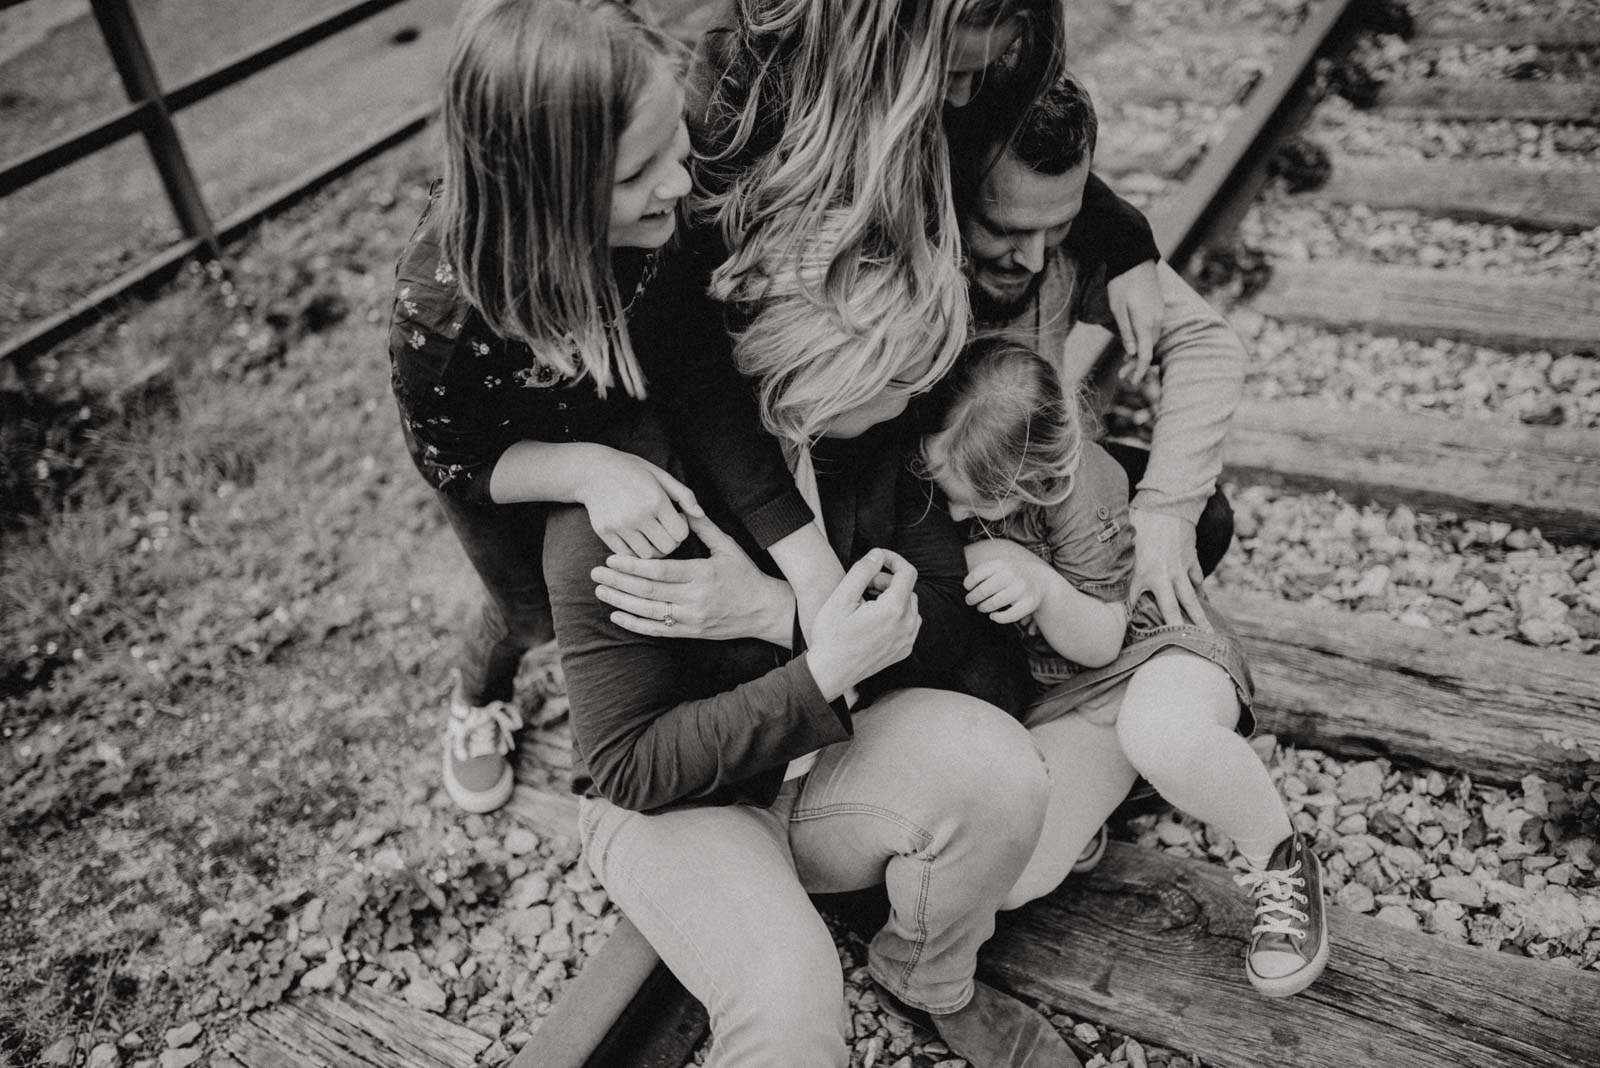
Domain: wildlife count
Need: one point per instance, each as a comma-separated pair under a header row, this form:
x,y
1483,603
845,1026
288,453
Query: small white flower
x,y
417,340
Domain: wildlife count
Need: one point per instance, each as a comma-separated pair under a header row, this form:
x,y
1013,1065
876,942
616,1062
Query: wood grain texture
x,y
1153,946
1564,199
592,1003
364,1028
1466,100
1545,477
547,813
1557,314
1365,685
1510,33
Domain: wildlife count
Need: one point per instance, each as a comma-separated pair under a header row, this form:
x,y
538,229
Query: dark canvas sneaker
x,y
477,738
1289,943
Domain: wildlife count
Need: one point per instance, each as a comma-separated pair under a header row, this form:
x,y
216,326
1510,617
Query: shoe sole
x,y
479,802
1092,861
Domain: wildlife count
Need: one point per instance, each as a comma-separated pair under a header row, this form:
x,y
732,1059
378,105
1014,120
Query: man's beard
x,y
987,308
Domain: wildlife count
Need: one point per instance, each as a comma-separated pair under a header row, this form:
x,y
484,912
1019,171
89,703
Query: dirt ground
x,y
214,692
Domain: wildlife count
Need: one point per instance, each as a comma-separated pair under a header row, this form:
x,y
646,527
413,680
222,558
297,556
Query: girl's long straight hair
x,y
837,108
537,93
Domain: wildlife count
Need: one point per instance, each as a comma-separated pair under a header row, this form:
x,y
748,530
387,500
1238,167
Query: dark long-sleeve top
x,y
1108,229
466,394
671,722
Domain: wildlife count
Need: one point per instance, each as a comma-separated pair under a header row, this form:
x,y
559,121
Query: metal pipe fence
x,y
149,113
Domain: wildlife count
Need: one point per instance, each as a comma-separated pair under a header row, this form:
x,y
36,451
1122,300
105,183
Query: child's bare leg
x,y
1177,728
1089,777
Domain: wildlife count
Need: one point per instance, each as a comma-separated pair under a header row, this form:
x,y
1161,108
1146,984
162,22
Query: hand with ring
x,y
720,597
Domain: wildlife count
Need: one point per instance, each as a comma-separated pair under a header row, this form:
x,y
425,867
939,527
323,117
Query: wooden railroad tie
x,y
1530,476
1471,100
1364,685
1512,33
363,1028
1153,946
1555,314
1566,198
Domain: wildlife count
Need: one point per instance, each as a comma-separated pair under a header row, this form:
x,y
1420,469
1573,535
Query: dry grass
x,y
210,677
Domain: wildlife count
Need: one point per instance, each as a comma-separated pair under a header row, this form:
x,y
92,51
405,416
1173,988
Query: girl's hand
x,y
856,639
1006,590
633,506
720,597
1137,304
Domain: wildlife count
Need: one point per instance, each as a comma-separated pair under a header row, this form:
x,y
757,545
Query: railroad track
x,y
1149,943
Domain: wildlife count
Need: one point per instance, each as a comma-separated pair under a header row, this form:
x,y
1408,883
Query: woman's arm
x,y
712,416
660,721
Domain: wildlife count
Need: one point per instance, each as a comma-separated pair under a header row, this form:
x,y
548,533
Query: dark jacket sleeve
x,y
450,426
957,648
1111,230
683,340
661,721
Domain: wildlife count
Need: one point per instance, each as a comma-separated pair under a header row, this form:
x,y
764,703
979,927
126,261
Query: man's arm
x,y
1202,365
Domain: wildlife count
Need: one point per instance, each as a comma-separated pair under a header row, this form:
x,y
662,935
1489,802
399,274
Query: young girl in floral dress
x,y
1120,693
541,256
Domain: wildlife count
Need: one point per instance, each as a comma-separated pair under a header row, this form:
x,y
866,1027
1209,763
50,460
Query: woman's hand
x,y
1004,581
633,506
720,597
856,639
1138,305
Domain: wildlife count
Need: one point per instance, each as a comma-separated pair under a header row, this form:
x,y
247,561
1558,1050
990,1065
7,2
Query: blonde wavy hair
x,y
854,90
537,92
1011,432
813,361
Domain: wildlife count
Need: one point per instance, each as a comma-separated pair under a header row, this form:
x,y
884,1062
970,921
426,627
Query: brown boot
x,y
993,1030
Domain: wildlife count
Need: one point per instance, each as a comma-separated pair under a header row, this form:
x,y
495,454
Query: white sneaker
x,y
477,739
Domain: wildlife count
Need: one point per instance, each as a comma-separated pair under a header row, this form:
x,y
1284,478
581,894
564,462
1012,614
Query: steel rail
x,y
1216,196
149,113
139,116
70,148
166,264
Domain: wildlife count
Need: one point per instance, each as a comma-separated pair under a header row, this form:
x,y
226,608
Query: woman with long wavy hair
x,y
803,109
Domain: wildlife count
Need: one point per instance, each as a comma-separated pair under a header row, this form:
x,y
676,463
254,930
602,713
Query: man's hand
x,y
1137,304
1165,564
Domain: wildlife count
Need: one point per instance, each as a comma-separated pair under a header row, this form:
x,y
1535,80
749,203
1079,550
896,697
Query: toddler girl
x,y
1118,694
535,306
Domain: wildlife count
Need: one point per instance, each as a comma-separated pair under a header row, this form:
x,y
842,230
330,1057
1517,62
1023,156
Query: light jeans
x,y
938,795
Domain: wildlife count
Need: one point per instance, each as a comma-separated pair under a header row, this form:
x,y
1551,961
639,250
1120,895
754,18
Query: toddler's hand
x,y
633,506
1006,590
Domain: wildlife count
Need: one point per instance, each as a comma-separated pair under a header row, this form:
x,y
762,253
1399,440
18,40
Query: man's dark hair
x,y
1058,131
1053,134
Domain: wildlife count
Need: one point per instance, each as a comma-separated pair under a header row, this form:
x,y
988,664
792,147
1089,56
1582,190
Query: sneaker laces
x,y
483,730
1276,897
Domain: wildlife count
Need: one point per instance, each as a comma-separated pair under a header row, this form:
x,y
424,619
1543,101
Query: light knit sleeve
x,y
1202,364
